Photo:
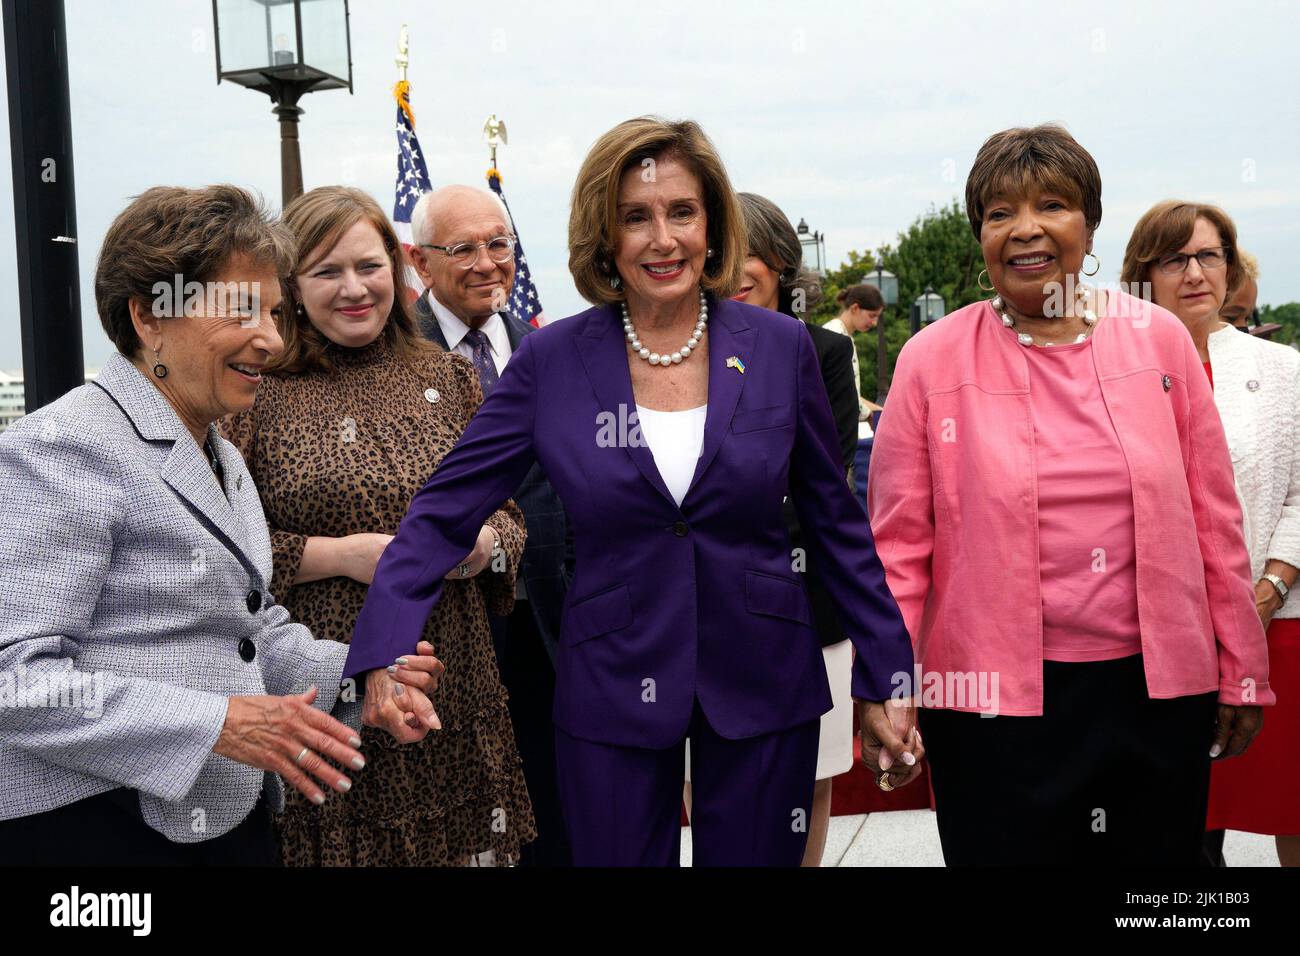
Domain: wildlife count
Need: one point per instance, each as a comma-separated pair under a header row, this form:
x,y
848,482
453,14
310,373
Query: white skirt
x,y
835,745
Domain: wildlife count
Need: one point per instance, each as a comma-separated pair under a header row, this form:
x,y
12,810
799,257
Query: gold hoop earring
x,y
1097,269
983,287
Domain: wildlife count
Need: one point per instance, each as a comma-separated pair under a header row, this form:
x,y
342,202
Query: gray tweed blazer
x,y
130,586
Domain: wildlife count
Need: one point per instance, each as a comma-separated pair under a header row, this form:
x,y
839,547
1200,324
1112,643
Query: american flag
x,y
524,301
412,177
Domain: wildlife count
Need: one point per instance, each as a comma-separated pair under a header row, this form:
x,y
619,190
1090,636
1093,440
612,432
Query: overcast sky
x,y
856,116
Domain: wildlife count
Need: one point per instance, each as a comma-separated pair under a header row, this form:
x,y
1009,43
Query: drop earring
x,y
159,369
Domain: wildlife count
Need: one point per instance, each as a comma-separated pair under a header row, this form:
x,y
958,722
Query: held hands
x,y
396,699
891,742
1235,728
288,736
479,558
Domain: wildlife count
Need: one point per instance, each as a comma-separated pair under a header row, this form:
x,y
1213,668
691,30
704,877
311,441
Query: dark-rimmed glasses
x,y
1176,262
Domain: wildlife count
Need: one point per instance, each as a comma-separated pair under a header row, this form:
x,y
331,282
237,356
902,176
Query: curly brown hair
x,y
170,231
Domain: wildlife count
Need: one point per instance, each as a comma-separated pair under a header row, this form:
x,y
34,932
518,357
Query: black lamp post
x,y
284,48
45,208
887,283
927,308
814,247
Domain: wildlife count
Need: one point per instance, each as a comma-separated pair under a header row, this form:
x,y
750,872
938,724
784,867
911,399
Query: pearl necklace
x,y
1025,339
676,358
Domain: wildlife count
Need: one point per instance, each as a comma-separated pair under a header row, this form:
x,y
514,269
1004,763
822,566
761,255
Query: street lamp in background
x,y
887,283
927,308
284,48
814,248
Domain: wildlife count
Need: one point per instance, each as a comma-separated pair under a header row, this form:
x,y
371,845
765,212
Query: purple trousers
x,y
751,798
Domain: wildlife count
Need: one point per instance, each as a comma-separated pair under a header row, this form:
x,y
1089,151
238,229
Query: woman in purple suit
x,y
673,423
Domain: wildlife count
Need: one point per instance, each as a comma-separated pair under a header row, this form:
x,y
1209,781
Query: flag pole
x,y
494,131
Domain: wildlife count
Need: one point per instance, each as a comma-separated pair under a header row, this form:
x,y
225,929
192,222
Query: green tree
x,y
937,251
1287,316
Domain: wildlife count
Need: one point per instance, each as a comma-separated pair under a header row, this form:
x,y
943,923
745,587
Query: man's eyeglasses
x,y
1176,263
465,254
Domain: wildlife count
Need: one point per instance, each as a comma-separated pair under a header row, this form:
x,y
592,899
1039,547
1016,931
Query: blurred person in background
x,y
1186,254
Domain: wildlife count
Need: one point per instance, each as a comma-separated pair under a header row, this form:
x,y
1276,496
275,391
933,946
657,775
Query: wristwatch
x,y
1278,585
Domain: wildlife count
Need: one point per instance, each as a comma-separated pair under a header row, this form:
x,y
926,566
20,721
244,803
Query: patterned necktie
x,y
487,370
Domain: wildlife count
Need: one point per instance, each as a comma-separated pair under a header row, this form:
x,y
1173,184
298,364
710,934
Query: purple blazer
x,y
666,603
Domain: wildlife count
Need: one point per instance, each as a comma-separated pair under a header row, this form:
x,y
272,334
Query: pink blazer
x,y
954,508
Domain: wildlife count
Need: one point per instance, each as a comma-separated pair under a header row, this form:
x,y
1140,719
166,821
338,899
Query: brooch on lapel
x,y
1166,382
735,362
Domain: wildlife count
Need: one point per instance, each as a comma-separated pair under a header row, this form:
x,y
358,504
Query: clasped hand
x,y
287,736
891,741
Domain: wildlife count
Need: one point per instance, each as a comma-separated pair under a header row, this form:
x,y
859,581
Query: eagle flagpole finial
x,y
494,132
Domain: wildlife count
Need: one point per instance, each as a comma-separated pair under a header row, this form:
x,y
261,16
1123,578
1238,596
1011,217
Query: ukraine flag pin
x,y
735,362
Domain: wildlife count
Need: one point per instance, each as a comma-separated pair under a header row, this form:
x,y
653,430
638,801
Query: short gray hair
x,y
422,221
770,236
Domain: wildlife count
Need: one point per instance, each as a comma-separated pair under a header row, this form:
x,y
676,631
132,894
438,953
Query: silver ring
x,y
298,759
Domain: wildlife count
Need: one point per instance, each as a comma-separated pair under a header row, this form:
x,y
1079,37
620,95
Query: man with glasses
x,y
464,251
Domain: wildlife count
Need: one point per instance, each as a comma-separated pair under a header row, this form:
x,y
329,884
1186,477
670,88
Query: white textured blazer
x,y
1257,391
130,584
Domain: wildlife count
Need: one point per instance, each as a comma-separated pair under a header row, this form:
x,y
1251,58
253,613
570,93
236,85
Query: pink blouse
x,y
1085,512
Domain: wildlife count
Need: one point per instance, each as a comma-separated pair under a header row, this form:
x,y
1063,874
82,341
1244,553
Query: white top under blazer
x,y
675,440
1257,391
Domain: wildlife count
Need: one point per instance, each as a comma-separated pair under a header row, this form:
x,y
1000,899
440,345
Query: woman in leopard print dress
x,y
349,423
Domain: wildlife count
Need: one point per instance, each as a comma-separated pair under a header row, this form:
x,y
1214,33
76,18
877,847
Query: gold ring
x,y
882,781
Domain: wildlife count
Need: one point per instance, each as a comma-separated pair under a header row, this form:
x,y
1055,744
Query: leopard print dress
x,y
343,452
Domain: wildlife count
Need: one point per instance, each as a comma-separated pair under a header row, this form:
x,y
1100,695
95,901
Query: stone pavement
x,y
911,838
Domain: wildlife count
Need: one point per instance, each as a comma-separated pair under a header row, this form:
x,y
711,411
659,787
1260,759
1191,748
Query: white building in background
x,y
12,403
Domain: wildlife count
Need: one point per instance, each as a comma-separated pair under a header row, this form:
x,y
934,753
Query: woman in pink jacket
x,y
1053,501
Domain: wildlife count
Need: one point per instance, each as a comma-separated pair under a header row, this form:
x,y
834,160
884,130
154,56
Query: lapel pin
x,y
1252,386
1166,382
735,362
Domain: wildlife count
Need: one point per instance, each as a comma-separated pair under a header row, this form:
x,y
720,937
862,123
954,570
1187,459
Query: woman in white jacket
x,y
1184,257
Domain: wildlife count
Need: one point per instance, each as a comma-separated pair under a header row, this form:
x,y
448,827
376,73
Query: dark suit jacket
x,y
670,604
835,358
547,565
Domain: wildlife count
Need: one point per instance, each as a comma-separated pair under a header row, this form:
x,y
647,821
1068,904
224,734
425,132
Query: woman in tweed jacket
x,y
151,690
